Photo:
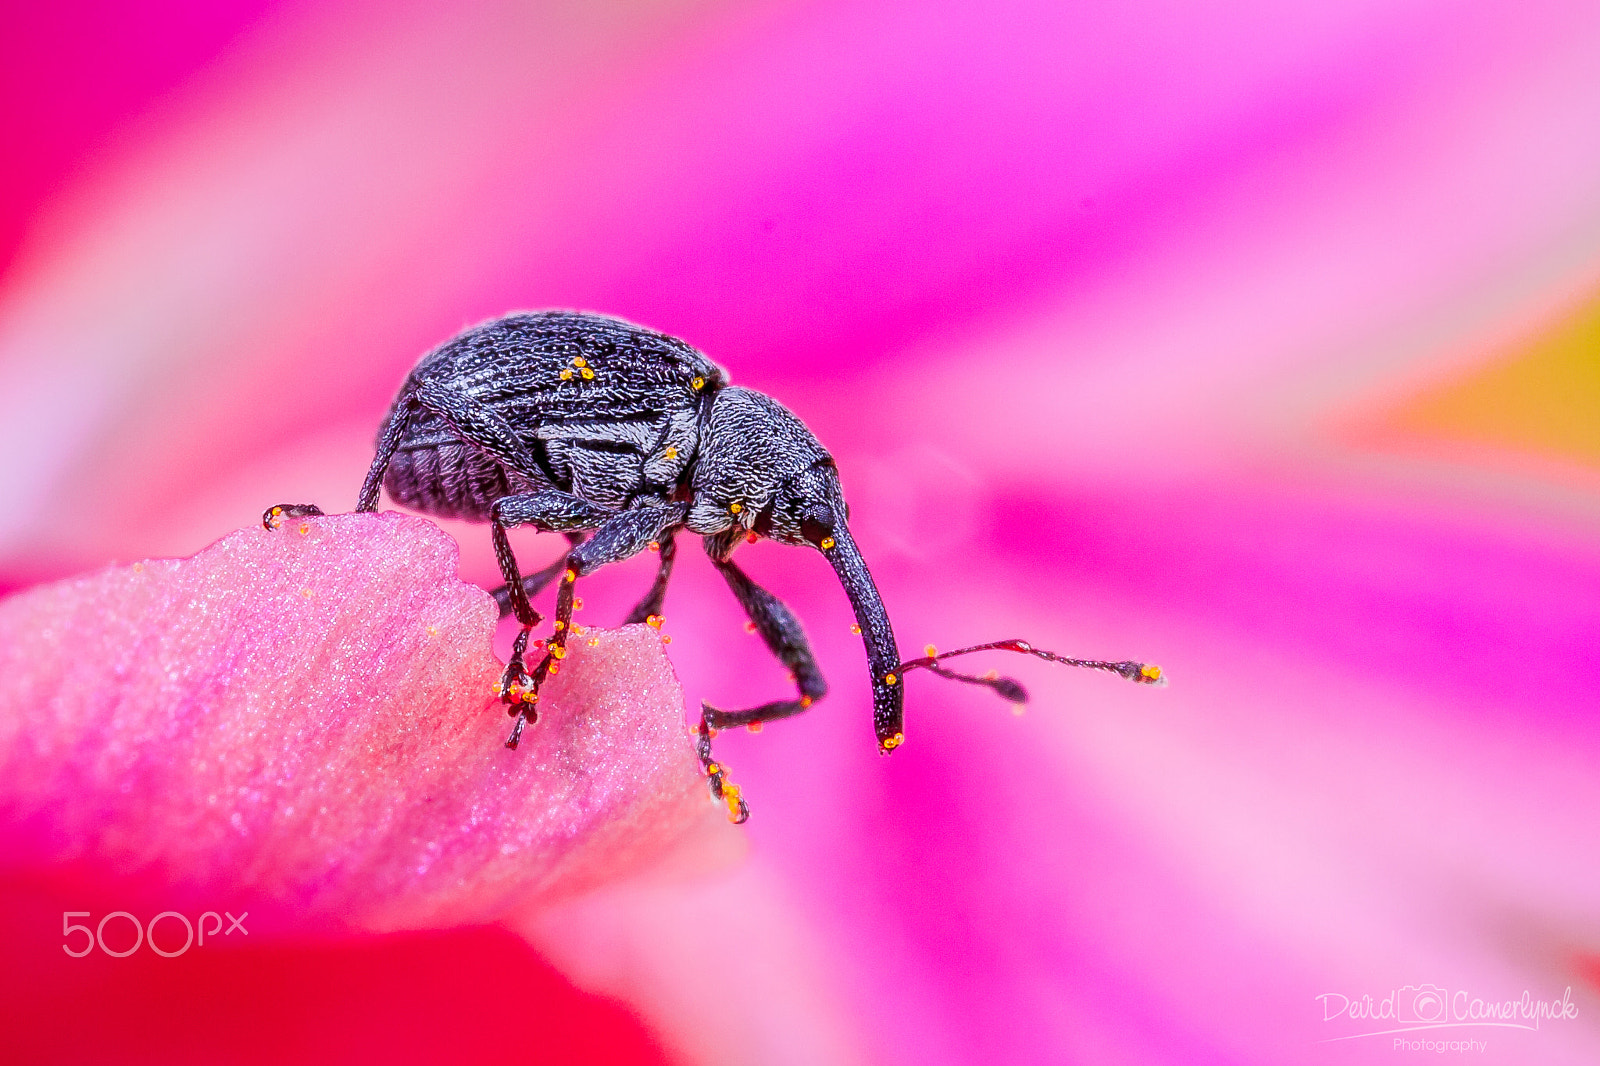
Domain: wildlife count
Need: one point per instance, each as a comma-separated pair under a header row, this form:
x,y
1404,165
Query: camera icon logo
x,y
1421,1005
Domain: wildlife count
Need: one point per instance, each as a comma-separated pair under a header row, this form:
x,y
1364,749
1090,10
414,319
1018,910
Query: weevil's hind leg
x,y
533,584
394,430
650,606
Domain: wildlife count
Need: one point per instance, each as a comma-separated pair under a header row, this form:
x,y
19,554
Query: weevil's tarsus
x,y
277,515
722,789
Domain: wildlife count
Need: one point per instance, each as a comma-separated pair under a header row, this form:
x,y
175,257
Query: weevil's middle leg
x,y
533,584
651,604
617,536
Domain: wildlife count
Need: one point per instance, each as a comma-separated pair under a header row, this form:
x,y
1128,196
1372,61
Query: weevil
x,y
619,438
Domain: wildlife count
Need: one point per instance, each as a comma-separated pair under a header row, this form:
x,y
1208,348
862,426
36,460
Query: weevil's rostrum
x,y
619,438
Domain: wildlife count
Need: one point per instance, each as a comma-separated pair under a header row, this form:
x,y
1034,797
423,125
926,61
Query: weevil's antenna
x,y
1010,690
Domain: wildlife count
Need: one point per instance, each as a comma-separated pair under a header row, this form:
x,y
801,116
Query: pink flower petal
x,y
305,717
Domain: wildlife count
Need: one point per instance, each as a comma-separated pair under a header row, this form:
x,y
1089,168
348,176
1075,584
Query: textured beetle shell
x,y
628,434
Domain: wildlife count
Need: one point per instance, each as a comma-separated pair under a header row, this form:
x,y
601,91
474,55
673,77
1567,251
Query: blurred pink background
x,y
1260,341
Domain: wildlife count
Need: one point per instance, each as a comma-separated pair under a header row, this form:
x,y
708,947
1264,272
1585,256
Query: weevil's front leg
x,y
784,636
619,537
650,606
394,431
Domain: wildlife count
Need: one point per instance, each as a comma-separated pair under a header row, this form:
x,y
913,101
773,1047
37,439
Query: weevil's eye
x,y
817,527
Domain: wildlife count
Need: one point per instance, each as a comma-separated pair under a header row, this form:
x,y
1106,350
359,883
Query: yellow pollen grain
x,y
654,621
560,625
654,546
566,375
889,679
554,670
572,575
1151,672
578,362
699,383
577,603
827,543
588,375
665,639
558,652
805,701
670,453
735,507
304,528
594,642
856,629
930,651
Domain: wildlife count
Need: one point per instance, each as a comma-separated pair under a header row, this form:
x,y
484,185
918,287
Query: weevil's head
x,y
761,471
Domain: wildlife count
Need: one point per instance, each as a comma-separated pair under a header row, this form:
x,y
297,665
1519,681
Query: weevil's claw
x,y
277,515
888,744
516,733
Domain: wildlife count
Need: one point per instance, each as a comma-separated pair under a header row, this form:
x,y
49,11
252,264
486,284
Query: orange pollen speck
x,y
751,538
577,603
856,629
699,383
588,375
889,679
1150,673
930,651
665,639
671,453
735,507
572,575
558,652
560,625
827,543
554,670
654,621
566,375
654,546
749,627
578,362
304,529
805,701
754,727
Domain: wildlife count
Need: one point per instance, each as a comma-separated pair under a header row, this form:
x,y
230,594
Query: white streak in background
x,y
339,134
1309,284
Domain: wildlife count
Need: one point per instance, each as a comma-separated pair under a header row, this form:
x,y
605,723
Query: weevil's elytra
x,y
619,438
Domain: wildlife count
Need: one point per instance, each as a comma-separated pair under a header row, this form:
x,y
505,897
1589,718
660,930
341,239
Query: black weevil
x,y
619,437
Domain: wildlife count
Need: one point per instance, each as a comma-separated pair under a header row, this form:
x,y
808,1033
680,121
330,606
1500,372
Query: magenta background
x,y
1075,293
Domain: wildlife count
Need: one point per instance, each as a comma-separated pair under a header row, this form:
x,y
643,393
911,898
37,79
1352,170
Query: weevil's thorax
x,y
760,469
